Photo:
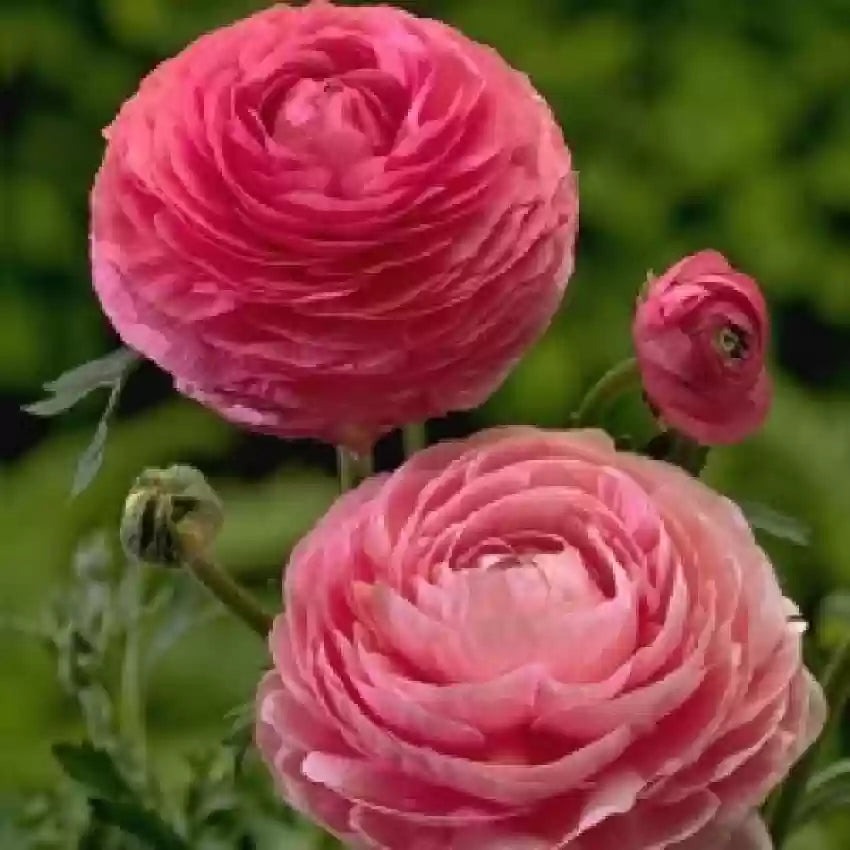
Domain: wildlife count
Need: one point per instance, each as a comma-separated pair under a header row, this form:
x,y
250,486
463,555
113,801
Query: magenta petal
x,y
328,222
700,334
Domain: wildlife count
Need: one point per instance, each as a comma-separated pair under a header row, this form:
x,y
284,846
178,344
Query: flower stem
x,y
227,591
414,438
680,450
131,704
836,687
352,467
617,380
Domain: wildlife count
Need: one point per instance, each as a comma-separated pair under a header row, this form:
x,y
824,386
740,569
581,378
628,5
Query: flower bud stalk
x,y
231,595
171,518
621,378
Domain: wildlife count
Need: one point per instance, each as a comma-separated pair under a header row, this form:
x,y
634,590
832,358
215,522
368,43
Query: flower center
x,y
329,119
733,342
546,578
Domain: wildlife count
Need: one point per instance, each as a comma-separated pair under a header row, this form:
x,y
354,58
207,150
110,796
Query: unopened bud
x,y
168,510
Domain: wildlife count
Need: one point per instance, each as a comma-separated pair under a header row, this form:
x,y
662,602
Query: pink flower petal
x,y
531,640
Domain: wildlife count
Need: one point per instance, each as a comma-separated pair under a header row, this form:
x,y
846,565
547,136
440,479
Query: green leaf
x,y
90,461
186,608
93,768
764,518
92,838
77,383
138,821
833,623
828,790
55,404
70,387
241,734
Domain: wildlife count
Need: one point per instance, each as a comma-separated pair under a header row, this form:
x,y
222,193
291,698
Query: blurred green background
x,y
694,123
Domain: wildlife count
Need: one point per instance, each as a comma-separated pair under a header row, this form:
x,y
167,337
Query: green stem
x,y
617,380
836,687
414,438
131,704
678,449
353,468
228,592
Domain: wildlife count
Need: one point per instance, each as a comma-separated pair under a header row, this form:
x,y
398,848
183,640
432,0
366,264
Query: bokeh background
x,y
694,123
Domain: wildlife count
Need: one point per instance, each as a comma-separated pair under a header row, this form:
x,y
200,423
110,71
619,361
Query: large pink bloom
x,y
328,221
700,334
530,641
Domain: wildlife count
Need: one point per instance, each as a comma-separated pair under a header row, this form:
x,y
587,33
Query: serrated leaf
x,y
91,459
92,767
71,387
56,404
138,821
102,371
773,522
828,790
77,383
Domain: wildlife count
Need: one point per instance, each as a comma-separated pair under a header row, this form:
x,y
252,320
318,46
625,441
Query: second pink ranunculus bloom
x,y
700,332
330,221
528,641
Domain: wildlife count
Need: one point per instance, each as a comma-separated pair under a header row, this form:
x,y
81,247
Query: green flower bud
x,y
166,511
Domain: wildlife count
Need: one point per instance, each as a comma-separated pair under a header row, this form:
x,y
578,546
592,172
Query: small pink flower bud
x,y
700,332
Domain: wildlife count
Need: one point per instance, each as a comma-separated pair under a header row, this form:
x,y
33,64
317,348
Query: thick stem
x,y
617,380
227,591
836,687
414,438
352,467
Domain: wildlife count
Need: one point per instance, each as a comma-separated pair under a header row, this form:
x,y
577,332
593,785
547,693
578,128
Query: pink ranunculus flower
x,y
528,641
329,221
700,332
